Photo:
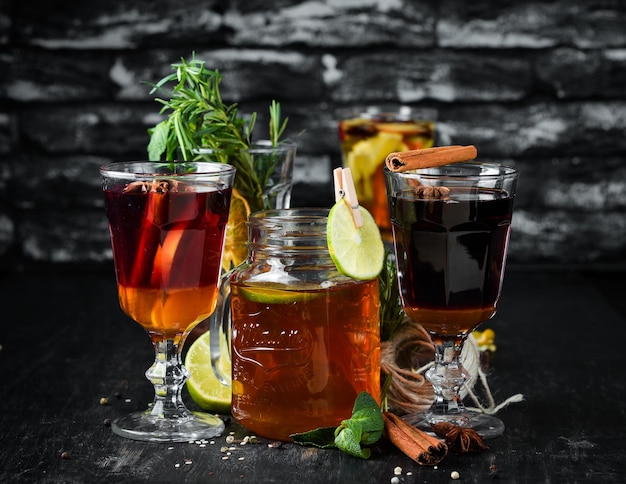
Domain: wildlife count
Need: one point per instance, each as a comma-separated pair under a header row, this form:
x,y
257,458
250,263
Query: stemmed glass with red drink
x,y
167,223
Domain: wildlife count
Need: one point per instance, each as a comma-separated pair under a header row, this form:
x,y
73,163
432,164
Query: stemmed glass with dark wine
x,y
451,228
167,223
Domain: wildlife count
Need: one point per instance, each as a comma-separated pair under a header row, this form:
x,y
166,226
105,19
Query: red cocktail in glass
x,y
167,223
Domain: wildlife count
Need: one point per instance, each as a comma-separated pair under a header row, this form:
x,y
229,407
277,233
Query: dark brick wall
x,y
538,84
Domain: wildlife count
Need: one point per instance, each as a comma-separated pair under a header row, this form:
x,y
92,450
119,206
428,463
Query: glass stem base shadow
x,y
447,376
168,420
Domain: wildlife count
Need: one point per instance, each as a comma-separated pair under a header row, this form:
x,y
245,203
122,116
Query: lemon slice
x,y
358,252
203,386
367,156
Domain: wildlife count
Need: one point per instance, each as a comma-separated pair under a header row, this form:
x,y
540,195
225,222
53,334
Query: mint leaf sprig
x,y
353,436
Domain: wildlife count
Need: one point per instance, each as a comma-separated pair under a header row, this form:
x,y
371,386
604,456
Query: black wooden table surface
x,y
65,344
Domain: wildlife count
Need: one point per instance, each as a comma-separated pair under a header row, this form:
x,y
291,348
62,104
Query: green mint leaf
x,y
364,400
348,442
323,437
355,428
365,427
158,141
372,424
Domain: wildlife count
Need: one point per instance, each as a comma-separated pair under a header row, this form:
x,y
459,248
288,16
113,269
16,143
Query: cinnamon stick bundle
x,y
416,444
441,155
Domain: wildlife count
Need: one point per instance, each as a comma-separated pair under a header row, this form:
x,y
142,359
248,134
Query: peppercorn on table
x,y
72,361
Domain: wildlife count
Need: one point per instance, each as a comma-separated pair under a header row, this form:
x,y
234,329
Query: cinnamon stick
x,y
416,444
441,155
149,236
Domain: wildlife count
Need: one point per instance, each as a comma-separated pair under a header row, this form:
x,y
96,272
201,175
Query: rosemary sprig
x,y
199,125
391,312
276,129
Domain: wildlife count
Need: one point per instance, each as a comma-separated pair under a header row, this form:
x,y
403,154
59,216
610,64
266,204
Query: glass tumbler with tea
x,y
167,223
367,136
304,339
451,227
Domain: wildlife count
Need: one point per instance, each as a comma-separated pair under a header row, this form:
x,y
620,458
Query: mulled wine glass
x,y
451,228
167,223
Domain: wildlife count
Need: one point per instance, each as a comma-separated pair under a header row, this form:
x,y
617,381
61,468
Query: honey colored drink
x,y
167,249
301,356
454,254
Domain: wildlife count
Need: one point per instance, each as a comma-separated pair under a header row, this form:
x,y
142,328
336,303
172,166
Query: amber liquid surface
x,y
378,137
300,357
167,253
451,256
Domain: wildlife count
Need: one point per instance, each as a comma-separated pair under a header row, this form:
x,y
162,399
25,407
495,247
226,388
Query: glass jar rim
x,y
289,230
291,214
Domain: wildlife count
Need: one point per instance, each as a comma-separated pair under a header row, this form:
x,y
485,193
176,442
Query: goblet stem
x,y
168,376
168,420
447,376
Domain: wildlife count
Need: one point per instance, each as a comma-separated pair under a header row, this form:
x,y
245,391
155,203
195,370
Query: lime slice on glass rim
x,y
203,386
358,252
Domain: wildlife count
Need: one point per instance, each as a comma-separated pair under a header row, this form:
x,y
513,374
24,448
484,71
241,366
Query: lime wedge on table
x,y
358,252
204,387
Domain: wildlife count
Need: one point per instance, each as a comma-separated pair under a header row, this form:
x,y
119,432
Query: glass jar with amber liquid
x,y
305,339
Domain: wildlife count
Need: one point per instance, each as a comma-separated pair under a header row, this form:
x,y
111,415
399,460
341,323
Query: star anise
x,y
432,192
158,186
460,439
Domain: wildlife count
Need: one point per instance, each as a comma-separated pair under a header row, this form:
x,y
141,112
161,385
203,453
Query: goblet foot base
x,y
487,426
149,428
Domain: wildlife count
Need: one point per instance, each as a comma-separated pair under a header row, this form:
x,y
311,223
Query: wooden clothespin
x,y
344,188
